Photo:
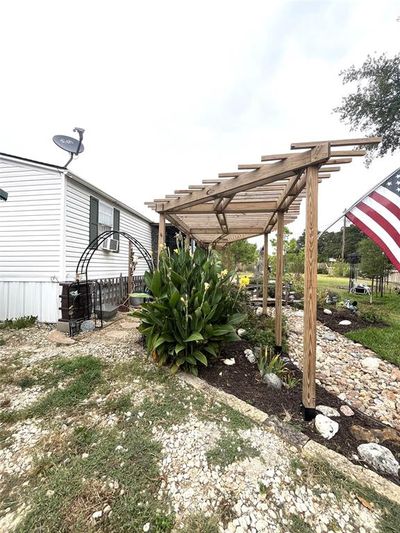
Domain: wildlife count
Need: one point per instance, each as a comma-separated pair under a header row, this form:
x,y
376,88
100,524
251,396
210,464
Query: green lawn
x,y
384,341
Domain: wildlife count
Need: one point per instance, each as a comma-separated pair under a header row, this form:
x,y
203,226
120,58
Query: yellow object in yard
x,y
244,281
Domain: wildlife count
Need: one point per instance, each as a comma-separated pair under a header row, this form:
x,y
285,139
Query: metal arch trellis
x,y
84,260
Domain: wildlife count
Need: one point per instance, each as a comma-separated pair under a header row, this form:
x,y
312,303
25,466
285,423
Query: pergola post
x,y
265,275
310,293
278,282
161,236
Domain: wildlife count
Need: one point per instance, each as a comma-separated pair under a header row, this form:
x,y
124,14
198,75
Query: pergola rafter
x,y
231,207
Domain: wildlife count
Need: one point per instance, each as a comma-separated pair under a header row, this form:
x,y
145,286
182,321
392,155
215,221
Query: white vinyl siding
x,y
25,298
104,264
30,223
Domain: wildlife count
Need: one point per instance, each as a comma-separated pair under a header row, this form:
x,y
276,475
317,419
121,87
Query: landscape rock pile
x,y
354,373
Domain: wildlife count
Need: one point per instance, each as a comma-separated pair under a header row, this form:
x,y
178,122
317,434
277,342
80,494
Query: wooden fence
x,y
114,291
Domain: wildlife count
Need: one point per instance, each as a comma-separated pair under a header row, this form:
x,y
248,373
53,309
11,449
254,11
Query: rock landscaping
x,y
109,442
337,423
350,371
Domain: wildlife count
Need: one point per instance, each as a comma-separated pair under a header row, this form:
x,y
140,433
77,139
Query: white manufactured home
x,y
46,223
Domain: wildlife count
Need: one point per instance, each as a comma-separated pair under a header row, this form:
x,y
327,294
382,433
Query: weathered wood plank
x,y
265,275
279,281
310,288
161,236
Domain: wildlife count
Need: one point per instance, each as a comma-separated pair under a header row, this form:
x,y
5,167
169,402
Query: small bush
x,y
372,316
193,311
339,269
322,268
19,323
2,341
259,330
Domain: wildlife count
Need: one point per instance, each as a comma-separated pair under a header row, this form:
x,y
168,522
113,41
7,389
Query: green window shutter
x,y
93,219
117,216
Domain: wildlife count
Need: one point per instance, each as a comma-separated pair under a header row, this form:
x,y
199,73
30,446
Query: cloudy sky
x,y
171,92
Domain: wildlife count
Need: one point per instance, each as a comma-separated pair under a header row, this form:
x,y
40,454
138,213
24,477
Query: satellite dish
x,y
70,144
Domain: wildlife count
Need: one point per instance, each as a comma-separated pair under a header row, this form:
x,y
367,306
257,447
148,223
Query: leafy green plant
x,y
290,381
268,363
19,323
271,364
371,315
259,329
194,308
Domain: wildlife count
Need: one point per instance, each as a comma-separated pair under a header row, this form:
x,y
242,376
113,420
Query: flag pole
x,y
357,202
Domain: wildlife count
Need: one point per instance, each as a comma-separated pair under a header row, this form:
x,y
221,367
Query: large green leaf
x,y
196,336
200,357
218,331
174,298
155,285
210,349
236,318
179,348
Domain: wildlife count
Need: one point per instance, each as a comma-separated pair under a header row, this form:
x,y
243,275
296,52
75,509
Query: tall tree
x,y
373,264
240,254
330,243
374,106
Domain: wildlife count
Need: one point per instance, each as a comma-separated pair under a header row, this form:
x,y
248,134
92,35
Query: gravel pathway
x,y
350,371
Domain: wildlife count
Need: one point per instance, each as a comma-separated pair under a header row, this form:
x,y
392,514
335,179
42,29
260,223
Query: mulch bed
x,y
332,321
243,380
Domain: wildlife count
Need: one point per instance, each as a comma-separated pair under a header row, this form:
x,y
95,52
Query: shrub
x,y
322,268
194,309
259,329
372,316
339,269
19,323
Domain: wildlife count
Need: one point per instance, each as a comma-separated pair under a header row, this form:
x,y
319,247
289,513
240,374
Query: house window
x,y
106,214
102,217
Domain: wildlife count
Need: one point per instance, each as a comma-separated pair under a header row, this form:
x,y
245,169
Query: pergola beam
x,y
364,141
255,178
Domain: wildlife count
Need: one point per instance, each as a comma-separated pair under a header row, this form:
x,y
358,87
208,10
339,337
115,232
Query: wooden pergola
x,y
260,198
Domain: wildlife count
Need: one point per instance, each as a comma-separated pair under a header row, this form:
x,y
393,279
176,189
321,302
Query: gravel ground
x,y
261,487
350,371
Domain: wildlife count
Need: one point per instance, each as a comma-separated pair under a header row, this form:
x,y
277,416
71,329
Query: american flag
x,y
378,216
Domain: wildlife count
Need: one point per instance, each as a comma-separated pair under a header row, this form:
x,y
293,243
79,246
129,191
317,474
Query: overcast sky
x,y
171,92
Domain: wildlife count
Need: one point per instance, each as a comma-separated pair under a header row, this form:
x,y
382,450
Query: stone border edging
x,y
307,447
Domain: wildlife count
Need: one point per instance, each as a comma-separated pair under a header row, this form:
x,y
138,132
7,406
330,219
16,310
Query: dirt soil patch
x,y
357,322
243,380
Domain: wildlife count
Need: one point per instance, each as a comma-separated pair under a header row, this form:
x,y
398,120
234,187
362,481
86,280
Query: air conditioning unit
x,y
112,245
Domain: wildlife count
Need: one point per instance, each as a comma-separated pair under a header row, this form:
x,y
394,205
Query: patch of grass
x,y
120,404
25,382
384,341
19,323
199,523
230,448
234,419
125,478
2,341
84,373
381,340
318,472
5,438
298,525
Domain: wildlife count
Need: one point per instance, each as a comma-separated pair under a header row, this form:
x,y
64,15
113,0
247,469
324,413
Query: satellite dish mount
x,y
70,144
